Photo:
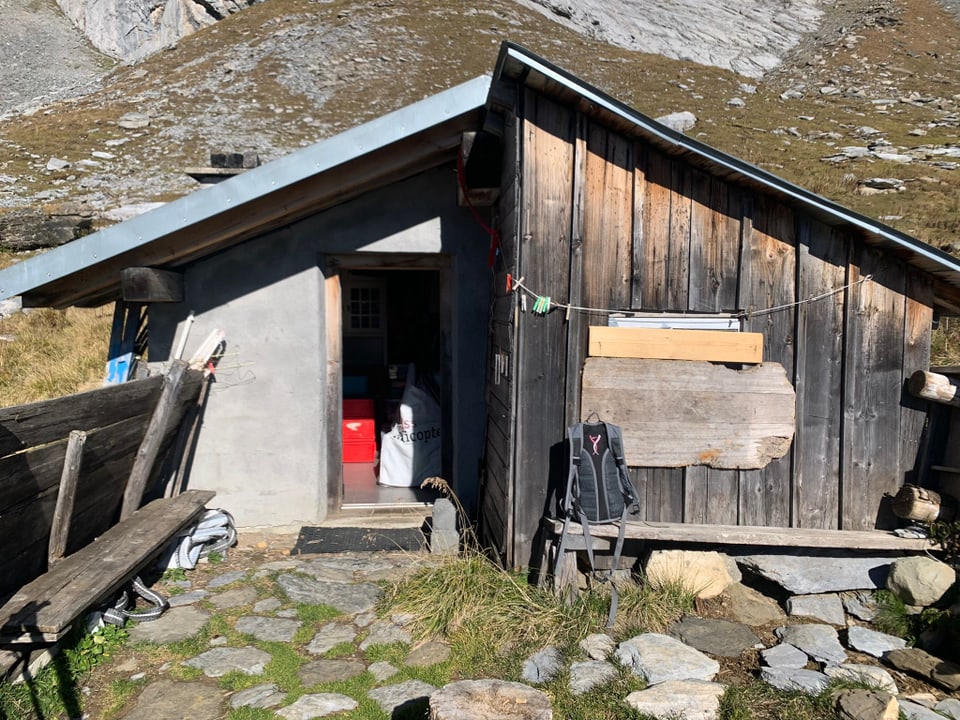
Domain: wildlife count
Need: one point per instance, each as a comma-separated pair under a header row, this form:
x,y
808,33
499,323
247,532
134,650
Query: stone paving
x,y
229,618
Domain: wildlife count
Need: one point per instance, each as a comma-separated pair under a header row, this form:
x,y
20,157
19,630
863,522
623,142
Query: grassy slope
x,y
372,58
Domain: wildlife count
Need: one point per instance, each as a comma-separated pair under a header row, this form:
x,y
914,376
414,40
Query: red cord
x,y
494,235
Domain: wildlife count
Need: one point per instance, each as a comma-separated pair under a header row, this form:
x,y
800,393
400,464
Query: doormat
x,y
357,539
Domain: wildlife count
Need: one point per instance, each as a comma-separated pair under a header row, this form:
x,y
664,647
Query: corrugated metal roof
x,y
230,196
517,63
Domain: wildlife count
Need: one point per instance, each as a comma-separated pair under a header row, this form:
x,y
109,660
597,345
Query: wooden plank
x,y
918,322
664,494
157,431
678,276
655,257
65,496
545,263
670,344
48,421
752,535
52,601
675,413
710,496
333,374
581,240
714,244
873,382
146,285
822,267
640,185
768,281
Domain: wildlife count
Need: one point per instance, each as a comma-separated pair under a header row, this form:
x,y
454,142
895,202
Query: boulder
x,y
484,699
920,580
857,704
703,573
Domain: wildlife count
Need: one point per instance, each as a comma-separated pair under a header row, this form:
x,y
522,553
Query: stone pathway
x,y
221,616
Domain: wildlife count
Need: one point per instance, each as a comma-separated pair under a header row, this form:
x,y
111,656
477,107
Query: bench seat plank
x,y
45,607
750,535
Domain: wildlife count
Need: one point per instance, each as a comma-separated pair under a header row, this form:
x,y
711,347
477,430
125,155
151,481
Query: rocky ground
x,y
230,621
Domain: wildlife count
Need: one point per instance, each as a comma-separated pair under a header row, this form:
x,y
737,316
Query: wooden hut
x,y
579,199
602,208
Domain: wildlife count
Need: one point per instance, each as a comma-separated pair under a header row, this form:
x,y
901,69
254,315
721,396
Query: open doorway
x,y
395,414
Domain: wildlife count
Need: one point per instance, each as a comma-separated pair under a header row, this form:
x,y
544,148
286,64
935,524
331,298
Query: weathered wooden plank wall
x,y
614,223
115,421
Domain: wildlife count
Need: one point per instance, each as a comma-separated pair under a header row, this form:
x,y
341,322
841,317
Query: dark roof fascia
x,y
230,196
520,65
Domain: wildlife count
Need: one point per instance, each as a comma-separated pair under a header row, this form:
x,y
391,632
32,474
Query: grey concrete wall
x,y
261,446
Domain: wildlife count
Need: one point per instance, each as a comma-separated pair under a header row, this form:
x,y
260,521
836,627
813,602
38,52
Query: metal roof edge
x,y
204,203
531,62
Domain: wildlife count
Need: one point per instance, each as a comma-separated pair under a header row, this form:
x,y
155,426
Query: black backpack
x,y
598,490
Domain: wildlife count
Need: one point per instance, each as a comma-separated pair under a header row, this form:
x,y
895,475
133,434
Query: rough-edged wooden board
x,y
676,413
672,344
43,422
51,602
916,356
714,245
750,535
653,256
822,267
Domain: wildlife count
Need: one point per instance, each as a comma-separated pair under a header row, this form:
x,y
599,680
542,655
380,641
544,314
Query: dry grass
x,y
48,353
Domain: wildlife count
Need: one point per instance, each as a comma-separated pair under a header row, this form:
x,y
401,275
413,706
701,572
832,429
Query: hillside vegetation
x,y
286,73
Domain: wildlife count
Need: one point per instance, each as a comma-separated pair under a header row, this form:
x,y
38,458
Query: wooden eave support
x,y
481,170
148,285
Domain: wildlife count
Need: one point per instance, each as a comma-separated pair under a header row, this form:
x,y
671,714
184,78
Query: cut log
x,y
676,413
935,387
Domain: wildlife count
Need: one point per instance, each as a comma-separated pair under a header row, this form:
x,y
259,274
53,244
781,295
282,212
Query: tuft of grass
x,y
760,701
284,667
341,650
119,693
892,616
316,614
249,713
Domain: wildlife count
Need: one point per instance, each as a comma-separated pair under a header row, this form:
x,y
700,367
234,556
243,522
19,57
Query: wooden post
x,y
60,528
935,387
147,453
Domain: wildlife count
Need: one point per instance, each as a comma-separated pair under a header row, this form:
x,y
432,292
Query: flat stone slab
x,y
810,682
866,705
324,671
187,598
382,670
915,661
263,696
717,637
268,628
872,642
169,700
329,636
235,597
345,597
174,625
598,646
916,711
220,661
873,676
319,705
408,697
489,699
827,608
820,642
949,707
384,632
784,655
689,699
586,675
860,604
813,572
659,658
226,578
267,605
751,607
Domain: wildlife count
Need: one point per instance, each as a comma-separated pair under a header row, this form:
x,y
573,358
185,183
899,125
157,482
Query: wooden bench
x,y
564,570
43,610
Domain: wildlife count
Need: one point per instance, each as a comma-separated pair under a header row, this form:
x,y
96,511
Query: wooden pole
x,y
935,387
63,514
152,439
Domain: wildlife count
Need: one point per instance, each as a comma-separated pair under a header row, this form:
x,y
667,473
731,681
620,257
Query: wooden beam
x,y
152,439
144,285
670,344
752,535
935,387
60,529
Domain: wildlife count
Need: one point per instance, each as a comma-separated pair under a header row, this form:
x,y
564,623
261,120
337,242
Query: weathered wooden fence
x,y
66,465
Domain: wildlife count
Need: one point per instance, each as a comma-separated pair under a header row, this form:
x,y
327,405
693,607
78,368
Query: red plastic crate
x,y
358,430
358,451
358,408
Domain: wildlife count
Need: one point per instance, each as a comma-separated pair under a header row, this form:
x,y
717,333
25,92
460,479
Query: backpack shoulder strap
x,y
615,442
